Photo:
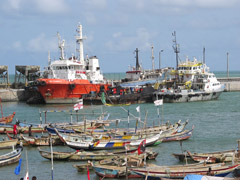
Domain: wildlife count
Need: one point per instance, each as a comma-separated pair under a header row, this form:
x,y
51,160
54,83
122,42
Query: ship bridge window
x,y
76,67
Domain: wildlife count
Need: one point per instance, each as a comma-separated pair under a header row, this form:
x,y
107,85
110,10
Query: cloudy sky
x,y
115,28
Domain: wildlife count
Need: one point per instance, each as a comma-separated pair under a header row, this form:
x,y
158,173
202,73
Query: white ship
x,y
192,81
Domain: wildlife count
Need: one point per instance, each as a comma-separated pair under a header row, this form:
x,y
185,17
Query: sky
x,y
115,28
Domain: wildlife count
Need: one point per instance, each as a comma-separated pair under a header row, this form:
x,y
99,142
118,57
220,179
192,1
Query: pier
x,y
16,91
231,84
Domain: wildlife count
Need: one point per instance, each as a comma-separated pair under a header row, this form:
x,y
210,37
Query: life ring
x,y
72,86
48,92
42,83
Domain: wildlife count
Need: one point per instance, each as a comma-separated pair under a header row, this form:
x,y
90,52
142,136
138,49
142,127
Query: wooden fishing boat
x,y
11,157
88,143
22,128
181,171
83,167
8,144
184,135
214,157
116,167
7,119
42,141
83,155
166,129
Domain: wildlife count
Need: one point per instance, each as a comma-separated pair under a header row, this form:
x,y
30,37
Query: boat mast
x,y
176,47
61,46
152,58
203,55
79,41
137,61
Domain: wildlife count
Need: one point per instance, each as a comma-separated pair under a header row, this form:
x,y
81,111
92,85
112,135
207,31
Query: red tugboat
x,y
67,80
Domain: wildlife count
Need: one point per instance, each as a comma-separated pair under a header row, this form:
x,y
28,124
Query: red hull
x,y
7,119
64,91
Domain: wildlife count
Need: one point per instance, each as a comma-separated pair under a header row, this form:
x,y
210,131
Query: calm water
x,y
216,128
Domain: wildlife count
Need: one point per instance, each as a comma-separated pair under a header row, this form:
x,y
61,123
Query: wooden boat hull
x,y
42,141
23,130
108,145
114,173
179,136
168,172
7,119
213,157
84,156
11,157
8,144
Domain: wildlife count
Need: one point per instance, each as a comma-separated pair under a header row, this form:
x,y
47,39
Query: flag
x,y
127,146
78,105
26,176
88,173
103,99
141,147
18,168
158,102
138,109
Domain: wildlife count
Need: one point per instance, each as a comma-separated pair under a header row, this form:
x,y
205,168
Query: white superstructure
x,y
74,67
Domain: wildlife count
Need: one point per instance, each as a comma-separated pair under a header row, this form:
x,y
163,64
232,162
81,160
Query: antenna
x,y
61,45
137,62
152,58
176,47
203,55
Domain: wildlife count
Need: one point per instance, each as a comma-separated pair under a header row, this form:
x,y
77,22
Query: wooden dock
x,y
231,83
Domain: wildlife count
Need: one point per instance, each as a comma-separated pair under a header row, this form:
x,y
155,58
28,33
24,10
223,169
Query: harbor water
x,y
216,128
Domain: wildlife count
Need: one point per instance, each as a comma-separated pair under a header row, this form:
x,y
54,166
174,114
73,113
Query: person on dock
x,y
30,131
34,178
15,130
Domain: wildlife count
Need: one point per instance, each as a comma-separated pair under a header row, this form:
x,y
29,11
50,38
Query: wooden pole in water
x,y
227,65
40,113
77,114
1,107
45,117
238,148
51,155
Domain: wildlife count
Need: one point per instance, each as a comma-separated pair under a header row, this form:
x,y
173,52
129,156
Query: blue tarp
x,y
193,177
138,83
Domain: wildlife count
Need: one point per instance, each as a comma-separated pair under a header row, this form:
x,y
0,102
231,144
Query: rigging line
x,y
120,106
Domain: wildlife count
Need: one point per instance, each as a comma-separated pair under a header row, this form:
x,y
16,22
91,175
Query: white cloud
x,y
90,18
51,6
35,6
17,45
42,44
197,3
95,4
117,34
121,43
14,4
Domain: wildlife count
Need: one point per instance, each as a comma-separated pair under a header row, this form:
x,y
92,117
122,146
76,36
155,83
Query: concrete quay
x,y
231,83
8,95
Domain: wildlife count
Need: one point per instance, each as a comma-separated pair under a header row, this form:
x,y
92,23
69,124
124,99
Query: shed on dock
x,y
24,74
4,77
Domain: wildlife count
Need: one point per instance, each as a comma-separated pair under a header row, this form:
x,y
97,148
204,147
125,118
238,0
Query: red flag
x,y
141,147
78,106
88,173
